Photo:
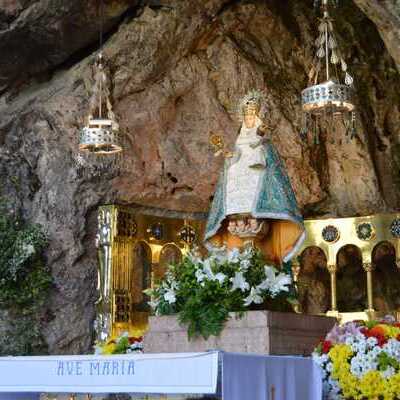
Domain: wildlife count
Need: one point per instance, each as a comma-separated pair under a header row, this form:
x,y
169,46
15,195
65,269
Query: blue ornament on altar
x,y
156,231
330,234
365,231
395,228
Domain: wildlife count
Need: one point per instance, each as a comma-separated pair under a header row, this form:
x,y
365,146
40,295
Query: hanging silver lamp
x,y
329,96
100,135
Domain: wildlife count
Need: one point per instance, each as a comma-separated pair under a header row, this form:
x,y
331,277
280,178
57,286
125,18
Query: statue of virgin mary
x,y
254,201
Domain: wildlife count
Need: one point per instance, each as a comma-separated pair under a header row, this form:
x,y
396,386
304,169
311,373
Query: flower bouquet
x,y
204,291
361,361
123,344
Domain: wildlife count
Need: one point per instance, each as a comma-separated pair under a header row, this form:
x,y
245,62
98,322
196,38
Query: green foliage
x,y
385,361
122,345
371,323
23,336
24,282
204,292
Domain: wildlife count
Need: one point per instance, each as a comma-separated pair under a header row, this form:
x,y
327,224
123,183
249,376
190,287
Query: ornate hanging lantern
x,y
329,96
100,135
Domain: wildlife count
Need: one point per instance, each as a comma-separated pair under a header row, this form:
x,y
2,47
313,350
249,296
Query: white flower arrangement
x,y
223,282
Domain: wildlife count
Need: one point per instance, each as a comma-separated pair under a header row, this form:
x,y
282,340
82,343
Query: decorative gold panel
x,y
135,250
349,230
363,235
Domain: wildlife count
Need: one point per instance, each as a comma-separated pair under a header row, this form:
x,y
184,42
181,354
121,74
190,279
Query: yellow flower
x,y
108,348
340,352
339,355
390,331
393,385
372,384
349,385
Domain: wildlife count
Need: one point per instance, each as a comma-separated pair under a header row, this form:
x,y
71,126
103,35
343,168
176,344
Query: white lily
x,y
220,277
153,304
275,282
239,282
194,257
207,268
170,280
280,284
245,264
220,254
170,296
173,284
234,255
247,253
253,297
270,272
200,276
269,278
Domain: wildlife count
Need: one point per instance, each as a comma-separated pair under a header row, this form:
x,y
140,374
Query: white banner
x,y
191,373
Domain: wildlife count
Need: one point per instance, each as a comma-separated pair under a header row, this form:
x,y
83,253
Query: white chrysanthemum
x,y
329,367
392,348
334,390
362,363
372,342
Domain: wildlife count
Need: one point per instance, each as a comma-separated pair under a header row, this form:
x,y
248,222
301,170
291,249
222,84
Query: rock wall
x,y
178,68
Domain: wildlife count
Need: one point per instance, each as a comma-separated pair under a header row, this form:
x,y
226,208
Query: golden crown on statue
x,y
250,104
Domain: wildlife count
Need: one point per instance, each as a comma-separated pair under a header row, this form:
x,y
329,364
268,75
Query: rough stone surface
x,y
386,16
262,332
177,69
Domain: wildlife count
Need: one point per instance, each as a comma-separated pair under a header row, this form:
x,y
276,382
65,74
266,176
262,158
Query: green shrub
x,y
24,283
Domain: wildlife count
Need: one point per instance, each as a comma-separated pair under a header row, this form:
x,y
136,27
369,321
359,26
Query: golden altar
x,y
343,268
134,251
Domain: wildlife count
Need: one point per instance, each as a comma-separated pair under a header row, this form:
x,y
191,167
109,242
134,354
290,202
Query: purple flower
x,y
338,334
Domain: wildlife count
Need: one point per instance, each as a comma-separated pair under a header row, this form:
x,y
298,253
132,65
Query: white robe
x,y
243,175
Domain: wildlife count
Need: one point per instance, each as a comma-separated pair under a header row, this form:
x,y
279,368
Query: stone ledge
x,y
264,332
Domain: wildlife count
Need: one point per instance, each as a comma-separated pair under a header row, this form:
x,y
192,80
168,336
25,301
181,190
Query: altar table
x,y
230,376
